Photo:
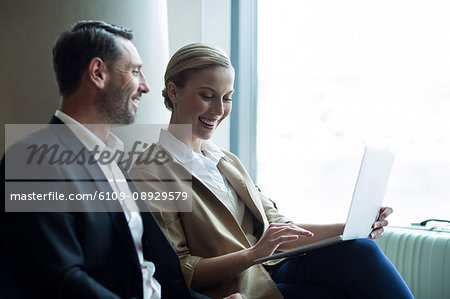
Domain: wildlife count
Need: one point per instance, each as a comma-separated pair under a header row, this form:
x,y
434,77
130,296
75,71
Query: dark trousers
x,y
351,269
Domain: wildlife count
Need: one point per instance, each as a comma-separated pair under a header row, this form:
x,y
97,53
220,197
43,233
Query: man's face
x,y
125,87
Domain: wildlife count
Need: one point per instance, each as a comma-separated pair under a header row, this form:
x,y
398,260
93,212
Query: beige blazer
x,y
210,229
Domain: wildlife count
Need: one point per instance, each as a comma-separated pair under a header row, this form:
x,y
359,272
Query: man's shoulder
x,y
41,135
48,135
41,153
26,134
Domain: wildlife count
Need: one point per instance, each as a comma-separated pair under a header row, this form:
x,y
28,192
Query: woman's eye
x,y
207,97
227,99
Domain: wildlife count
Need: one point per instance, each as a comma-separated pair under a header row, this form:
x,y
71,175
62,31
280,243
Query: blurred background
x,y
315,82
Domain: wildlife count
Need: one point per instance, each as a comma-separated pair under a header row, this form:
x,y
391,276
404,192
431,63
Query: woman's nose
x,y
217,107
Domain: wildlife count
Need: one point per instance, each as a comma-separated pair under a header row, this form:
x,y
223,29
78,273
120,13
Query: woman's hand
x,y
212,270
274,236
378,226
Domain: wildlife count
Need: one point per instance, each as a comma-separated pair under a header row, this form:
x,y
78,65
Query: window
x,y
336,75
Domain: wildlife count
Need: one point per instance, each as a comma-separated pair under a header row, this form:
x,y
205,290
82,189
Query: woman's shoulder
x,y
153,155
156,161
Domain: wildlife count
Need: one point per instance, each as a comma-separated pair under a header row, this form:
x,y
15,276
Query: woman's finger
x,y
376,233
380,223
294,230
385,212
284,239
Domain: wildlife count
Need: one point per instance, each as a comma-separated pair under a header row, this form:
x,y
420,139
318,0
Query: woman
x,y
232,223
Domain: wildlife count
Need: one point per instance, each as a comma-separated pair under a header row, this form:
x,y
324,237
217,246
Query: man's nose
x,y
143,85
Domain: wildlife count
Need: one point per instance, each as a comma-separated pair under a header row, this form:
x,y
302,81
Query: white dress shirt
x,y
203,166
118,182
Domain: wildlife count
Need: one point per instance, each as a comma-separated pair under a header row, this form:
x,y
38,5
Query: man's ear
x,y
172,91
97,72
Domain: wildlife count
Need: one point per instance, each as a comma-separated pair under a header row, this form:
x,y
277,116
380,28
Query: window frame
x,y
244,59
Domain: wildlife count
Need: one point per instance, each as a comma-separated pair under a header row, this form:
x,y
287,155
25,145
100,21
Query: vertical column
x,y
29,30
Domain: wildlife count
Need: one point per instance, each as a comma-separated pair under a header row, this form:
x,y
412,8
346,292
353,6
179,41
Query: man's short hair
x,y
77,46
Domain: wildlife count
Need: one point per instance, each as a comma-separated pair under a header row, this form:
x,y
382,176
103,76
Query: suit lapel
x,y
158,249
118,219
143,208
101,184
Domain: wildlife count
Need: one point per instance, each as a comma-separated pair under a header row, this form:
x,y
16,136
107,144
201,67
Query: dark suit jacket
x,y
76,254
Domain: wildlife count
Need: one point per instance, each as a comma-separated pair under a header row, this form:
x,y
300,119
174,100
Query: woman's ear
x,y
97,72
172,91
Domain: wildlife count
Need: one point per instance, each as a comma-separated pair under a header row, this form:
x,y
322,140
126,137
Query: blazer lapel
x,y
225,214
236,180
198,182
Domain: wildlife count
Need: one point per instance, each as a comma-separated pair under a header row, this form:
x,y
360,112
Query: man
x,y
120,254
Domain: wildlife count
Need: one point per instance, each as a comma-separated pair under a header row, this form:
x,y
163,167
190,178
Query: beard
x,y
114,105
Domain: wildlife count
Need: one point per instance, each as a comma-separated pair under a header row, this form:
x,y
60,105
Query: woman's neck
x,y
184,134
197,145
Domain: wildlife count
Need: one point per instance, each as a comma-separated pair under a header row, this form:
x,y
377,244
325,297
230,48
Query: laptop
x,y
367,199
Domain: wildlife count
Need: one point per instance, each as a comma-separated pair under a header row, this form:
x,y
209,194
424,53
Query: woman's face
x,y
204,101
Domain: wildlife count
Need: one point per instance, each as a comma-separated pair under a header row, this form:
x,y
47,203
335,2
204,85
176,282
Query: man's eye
x,y
227,99
135,72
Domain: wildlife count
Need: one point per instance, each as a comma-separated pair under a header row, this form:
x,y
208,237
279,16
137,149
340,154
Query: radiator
x,y
422,258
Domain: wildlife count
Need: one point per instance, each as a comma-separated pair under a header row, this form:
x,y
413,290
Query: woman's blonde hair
x,y
189,58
